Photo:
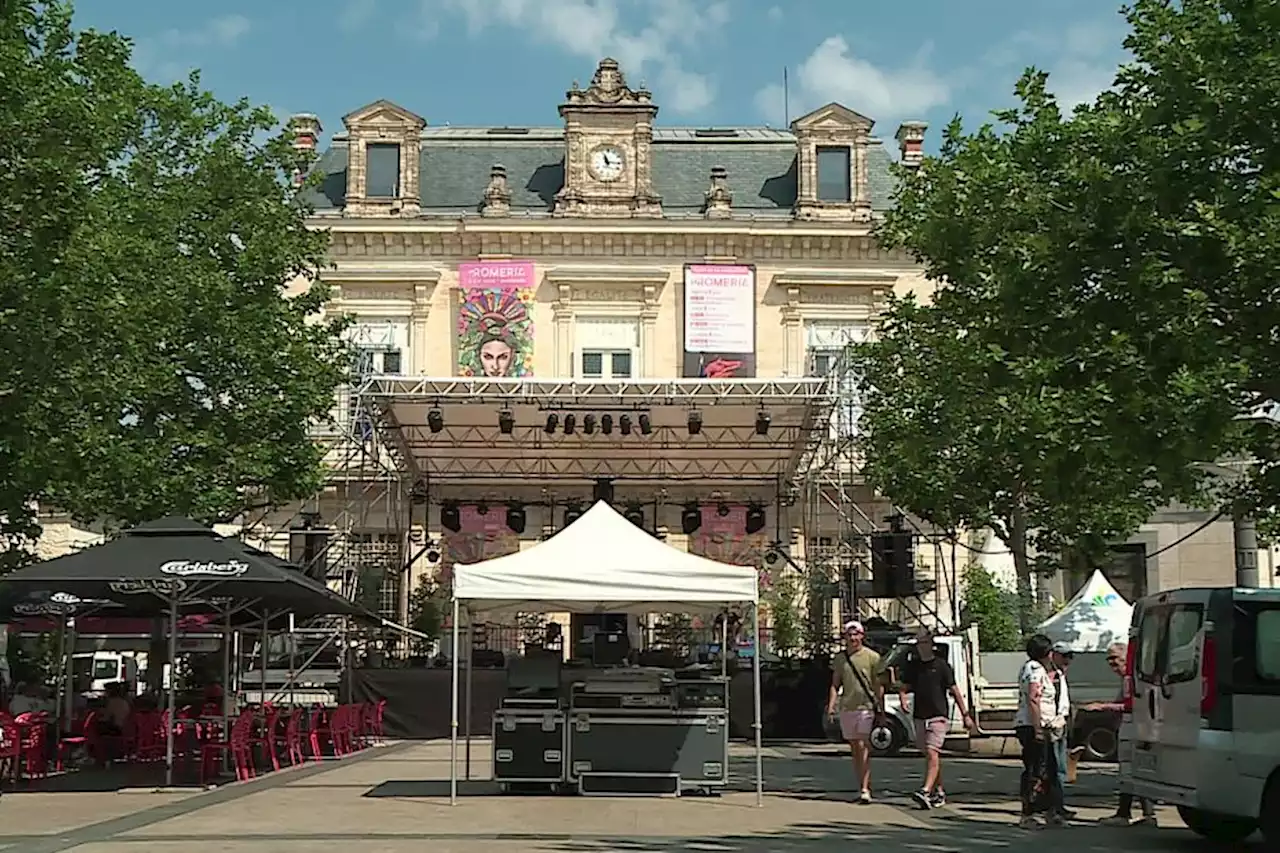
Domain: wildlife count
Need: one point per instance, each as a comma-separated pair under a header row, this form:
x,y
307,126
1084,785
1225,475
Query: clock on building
x,y
607,163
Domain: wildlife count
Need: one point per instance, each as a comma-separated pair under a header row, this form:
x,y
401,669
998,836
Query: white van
x,y
1201,729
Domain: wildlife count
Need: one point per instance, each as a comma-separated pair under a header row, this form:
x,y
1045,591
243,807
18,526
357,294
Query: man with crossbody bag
x,y
858,694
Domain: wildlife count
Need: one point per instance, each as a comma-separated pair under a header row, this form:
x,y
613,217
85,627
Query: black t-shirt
x,y
930,682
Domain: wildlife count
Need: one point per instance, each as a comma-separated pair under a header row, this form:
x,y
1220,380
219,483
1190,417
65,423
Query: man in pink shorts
x,y
858,693
930,681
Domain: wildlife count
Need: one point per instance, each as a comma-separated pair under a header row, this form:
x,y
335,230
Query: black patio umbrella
x,y
170,564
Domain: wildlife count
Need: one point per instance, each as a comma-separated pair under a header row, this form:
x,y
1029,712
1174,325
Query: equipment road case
x,y
528,747
692,746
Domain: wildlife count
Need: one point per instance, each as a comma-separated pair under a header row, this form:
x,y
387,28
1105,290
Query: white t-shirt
x,y
1035,673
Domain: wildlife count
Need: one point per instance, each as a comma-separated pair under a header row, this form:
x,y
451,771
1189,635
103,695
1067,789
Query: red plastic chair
x,y
33,754
318,728
237,745
10,748
268,736
293,738
342,731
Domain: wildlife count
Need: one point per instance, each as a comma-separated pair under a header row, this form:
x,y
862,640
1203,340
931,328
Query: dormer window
x,y
382,178
831,156
383,146
834,174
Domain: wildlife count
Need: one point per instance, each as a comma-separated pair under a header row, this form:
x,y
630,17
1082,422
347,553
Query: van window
x,y
1150,634
1256,656
105,669
1267,645
1183,643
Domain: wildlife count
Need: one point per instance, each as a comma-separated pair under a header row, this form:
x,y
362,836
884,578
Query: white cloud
x,y
356,13
834,73
223,31
592,29
1081,59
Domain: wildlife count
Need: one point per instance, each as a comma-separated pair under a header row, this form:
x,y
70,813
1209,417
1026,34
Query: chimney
x,y
306,132
910,138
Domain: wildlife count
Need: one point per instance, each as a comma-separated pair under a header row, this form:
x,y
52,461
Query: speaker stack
x,y
893,566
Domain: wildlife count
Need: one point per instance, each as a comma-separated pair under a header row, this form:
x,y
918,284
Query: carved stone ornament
x,y
608,88
497,196
719,198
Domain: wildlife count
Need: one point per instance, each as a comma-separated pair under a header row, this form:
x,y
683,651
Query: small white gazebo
x,y
1093,619
602,563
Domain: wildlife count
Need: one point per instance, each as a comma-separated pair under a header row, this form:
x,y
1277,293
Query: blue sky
x,y
708,62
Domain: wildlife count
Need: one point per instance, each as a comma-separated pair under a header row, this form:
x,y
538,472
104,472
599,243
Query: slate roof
x,y
455,165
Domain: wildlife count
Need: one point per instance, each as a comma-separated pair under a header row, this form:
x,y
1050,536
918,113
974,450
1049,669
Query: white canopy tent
x,y
1093,619
603,563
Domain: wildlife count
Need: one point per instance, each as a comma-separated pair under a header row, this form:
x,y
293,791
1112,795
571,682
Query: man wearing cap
x,y
1061,656
858,692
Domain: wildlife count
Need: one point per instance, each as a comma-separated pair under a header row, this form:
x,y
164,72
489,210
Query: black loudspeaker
x,y
307,549
893,568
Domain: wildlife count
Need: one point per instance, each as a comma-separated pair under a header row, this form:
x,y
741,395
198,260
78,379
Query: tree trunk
x,y
1022,566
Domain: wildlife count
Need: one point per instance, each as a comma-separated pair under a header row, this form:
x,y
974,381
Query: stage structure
x,y
846,528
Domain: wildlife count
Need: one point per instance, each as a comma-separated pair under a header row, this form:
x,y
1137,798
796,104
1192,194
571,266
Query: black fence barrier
x,y
419,700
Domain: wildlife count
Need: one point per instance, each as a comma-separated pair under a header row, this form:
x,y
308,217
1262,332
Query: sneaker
x,y
1116,820
937,799
923,799
1056,820
1146,820
1067,813
1029,822
864,797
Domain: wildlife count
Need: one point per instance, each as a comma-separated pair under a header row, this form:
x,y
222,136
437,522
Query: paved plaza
x,y
395,798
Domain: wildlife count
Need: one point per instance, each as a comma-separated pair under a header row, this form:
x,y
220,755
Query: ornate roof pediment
x,y
608,89
383,114
832,117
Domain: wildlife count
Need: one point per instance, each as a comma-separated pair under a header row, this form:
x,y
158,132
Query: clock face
x,y
606,163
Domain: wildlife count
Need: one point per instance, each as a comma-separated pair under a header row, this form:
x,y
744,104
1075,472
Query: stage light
x,y
646,426
482,508
695,422
635,514
570,423
762,422
553,421
572,513
624,424
435,420
506,422
450,517
722,509
755,518
516,518
606,424
603,490
588,424
690,518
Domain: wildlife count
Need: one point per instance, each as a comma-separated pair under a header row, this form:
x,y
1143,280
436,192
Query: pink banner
x,y
495,321
724,538
482,537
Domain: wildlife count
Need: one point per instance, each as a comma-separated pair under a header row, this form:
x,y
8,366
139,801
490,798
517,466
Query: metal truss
x,y
552,392
591,468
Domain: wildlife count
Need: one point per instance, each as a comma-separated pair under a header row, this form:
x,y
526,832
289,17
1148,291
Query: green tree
x,y
787,631
427,605
1183,178
153,363
993,609
997,406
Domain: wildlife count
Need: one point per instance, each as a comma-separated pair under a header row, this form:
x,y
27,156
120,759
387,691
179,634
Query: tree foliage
x,y
147,238
993,609
1001,404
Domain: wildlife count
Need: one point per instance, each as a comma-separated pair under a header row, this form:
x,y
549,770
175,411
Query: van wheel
x,y
1217,827
888,739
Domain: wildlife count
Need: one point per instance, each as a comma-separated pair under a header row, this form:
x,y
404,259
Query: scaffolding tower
x,y
841,512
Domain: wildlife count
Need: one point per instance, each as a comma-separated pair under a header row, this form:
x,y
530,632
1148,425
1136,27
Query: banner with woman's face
x,y
495,322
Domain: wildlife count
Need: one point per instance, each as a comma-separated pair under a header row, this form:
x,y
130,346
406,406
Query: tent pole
x,y
60,687
173,692
755,672
227,695
466,712
453,724
724,649
262,659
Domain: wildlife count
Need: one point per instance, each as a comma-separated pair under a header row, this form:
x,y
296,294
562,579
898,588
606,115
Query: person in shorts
x,y
857,692
930,681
